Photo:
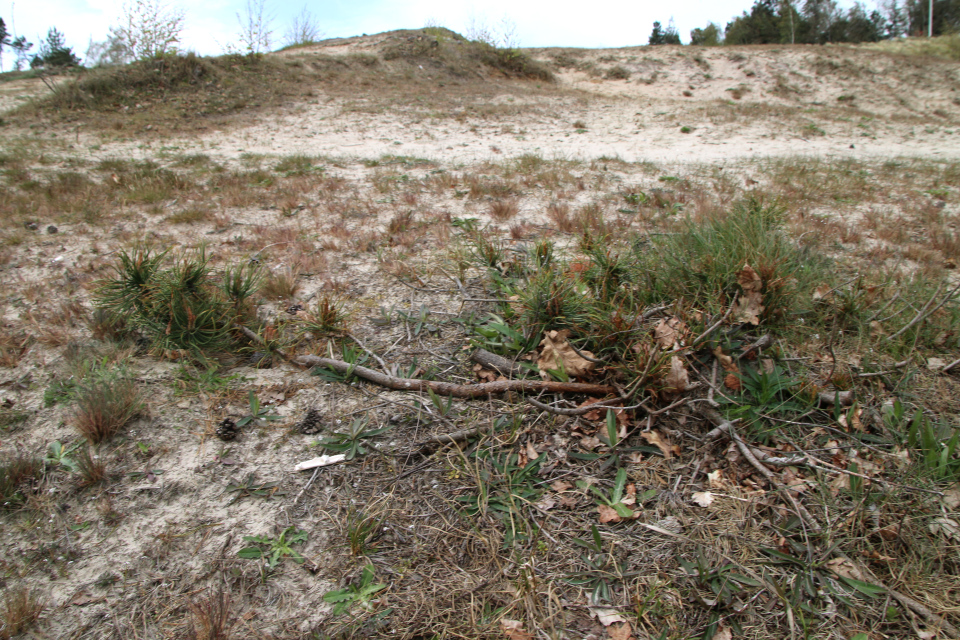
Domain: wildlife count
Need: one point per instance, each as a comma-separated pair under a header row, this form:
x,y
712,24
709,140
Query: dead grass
x,y
104,407
504,210
281,284
21,609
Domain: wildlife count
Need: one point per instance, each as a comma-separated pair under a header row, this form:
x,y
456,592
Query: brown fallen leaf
x,y
677,380
716,480
750,304
659,441
560,486
620,631
725,361
724,633
514,630
844,568
703,498
822,292
608,514
606,617
732,381
951,497
668,332
546,502
558,354
532,451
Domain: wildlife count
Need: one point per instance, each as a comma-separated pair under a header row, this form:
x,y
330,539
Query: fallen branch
x,y
501,365
450,389
827,398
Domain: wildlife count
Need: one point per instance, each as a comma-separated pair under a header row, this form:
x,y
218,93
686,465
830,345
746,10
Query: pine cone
x,y
227,430
311,422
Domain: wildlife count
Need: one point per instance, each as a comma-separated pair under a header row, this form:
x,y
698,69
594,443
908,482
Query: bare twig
x,y
371,353
950,366
586,357
713,327
924,313
762,342
450,389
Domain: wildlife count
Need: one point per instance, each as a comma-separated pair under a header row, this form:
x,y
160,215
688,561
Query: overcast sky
x,y
211,25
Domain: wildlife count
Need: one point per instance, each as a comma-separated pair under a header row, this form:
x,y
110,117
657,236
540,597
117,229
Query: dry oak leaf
x,y
723,634
608,514
844,568
667,333
703,498
822,292
659,441
716,480
621,631
560,486
557,353
750,304
513,629
606,617
951,497
949,527
678,379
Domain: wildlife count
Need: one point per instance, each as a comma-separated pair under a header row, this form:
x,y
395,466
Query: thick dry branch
x,y
501,365
830,399
455,390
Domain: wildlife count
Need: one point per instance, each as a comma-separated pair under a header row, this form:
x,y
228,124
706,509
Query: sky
x,y
212,25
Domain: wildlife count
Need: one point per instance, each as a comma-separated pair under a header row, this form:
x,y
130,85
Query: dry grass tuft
x,y
20,610
91,468
12,347
281,285
211,618
559,212
504,210
105,407
14,474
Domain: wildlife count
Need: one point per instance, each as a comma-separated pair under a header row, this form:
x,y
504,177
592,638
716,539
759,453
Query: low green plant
x,y
250,487
258,415
443,408
59,455
504,489
936,448
765,393
362,531
419,322
351,441
700,262
326,318
355,594
603,571
206,380
615,498
275,550
184,306
12,418
352,355
496,336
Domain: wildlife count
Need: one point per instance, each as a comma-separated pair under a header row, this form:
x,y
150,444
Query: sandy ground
x,y
788,105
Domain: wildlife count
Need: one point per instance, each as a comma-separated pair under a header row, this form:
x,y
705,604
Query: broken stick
x,y
455,390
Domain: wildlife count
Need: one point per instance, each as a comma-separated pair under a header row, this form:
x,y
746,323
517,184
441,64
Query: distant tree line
x,y
819,22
